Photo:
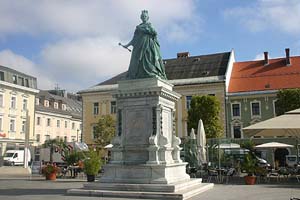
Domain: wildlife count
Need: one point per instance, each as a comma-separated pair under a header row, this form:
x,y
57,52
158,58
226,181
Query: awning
x,y
283,125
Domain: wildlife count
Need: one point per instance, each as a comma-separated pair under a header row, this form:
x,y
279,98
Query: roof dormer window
x,y
37,101
63,107
46,103
55,105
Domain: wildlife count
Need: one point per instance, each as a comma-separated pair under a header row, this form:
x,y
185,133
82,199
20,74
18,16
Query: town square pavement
x,y
26,187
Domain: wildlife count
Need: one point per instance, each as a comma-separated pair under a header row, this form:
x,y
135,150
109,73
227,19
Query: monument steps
x,y
143,187
187,190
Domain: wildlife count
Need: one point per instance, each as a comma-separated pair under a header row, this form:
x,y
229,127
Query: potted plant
x,y
249,166
92,166
49,171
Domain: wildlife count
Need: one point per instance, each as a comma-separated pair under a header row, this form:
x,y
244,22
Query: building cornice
x,y
32,90
176,82
231,94
53,114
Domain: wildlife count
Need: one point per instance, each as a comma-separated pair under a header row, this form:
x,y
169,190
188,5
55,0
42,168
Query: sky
x,y
74,44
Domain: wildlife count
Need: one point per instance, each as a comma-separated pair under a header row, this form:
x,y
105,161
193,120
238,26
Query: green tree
x,y
288,99
206,108
105,130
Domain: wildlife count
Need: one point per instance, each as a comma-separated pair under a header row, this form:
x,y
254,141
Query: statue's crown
x,y
144,12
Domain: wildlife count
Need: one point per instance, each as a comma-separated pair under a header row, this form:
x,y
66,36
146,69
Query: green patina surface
x,y
146,61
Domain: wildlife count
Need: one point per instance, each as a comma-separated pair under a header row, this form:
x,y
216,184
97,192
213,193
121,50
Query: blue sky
x,y
75,43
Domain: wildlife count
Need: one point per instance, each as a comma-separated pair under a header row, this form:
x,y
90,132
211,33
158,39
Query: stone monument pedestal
x,y
145,157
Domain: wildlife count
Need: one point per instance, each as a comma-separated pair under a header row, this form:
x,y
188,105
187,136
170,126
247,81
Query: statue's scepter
x,y
124,47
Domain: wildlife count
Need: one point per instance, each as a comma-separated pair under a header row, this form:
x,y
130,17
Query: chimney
x,y
287,56
266,61
183,55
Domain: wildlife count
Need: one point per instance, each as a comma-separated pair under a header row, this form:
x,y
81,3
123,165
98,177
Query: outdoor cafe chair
x,y
229,174
212,174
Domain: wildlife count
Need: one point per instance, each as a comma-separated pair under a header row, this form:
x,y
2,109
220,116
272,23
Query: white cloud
x,y
24,65
84,35
86,60
259,56
281,15
76,18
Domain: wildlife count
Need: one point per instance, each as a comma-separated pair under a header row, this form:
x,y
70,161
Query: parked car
x,y
15,157
262,162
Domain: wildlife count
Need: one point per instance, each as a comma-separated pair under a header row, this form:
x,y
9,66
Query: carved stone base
x,y
156,174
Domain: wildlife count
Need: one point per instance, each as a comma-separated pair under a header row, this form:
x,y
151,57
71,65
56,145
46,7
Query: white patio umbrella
x,y
283,125
192,134
273,146
201,142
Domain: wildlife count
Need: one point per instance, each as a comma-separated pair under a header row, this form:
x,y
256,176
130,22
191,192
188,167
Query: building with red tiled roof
x,y
253,87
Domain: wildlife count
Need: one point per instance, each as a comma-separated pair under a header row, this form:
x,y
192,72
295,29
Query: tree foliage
x,y
287,100
206,108
105,130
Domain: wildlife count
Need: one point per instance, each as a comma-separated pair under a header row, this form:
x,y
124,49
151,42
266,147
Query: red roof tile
x,y
255,76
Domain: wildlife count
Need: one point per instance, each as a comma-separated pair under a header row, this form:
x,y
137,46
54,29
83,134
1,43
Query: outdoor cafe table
x,y
220,174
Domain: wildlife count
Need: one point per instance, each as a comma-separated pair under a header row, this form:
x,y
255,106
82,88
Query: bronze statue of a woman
x,y
145,60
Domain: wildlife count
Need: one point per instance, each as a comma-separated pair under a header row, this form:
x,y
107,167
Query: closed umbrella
x,y
201,142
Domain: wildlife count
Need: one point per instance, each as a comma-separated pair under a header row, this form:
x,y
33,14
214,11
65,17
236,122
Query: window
x,y
47,137
188,102
65,139
25,104
73,138
255,108
237,131
58,123
96,108
46,103
275,107
113,107
14,79
38,137
48,122
23,126
26,82
37,101
38,121
236,112
1,100
12,125
66,124
1,76
73,125
13,102
1,123
94,132
21,81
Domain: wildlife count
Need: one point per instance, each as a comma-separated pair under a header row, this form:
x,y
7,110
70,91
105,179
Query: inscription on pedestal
x,y
138,128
